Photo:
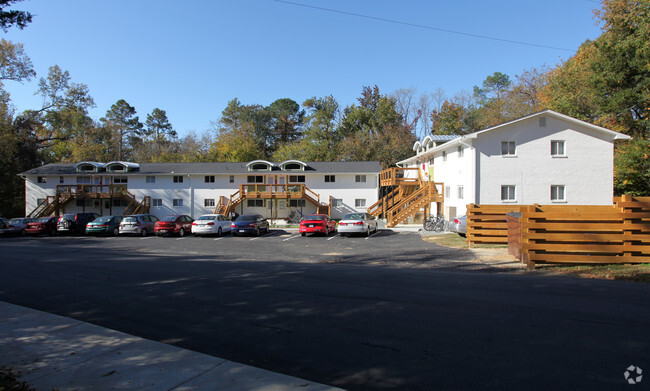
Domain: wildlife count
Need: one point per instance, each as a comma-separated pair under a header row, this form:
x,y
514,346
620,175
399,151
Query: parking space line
x,y
219,238
146,237
291,237
368,237
183,238
335,236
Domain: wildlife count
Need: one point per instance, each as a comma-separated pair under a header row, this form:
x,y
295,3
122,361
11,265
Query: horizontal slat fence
x,y
488,223
591,234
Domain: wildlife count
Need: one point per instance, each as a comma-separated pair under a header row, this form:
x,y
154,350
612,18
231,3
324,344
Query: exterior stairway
x,y
226,205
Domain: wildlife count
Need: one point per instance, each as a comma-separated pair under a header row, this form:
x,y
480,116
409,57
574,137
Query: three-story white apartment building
x,y
544,158
271,189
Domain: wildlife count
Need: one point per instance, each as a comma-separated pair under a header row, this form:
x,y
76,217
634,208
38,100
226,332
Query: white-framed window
x,y
508,148
447,191
177,202
232,179
83,180
557,148
296,203
461,151
41,179
208,202
209,179
178,179
508,193
255,179
120,179
558,193
151,179
360,203
337,202
255,203
61,179
330,178
156,202
461,192
360,178
120,203
296,179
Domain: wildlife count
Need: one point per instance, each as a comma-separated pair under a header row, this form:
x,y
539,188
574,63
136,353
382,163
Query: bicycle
x,y
435,223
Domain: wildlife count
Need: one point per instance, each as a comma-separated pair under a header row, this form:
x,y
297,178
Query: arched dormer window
x,y
293,165
427,143
260,165
89,167
118,166
417,147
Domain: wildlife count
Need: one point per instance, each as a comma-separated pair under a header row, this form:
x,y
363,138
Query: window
x,y
41,179
255,179
83,180
209,179
296,203
208,202
447,191
61,179
255,203
178,179
178,202
120,179
156,202
508,148
360,203
296,179
232,179
120,203
260,167
292,166
557,148
461,151
461,192
84,202
508,193
558,193
444,156
330,178
337,202
359,178
151,179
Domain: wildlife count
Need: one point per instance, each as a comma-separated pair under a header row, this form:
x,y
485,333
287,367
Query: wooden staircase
x,y
271,191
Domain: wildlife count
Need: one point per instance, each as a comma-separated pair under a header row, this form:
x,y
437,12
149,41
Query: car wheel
x,y
302,234
219,232
53,232
181,232
257,232
115,231
368,231
22,232
143,232
234,233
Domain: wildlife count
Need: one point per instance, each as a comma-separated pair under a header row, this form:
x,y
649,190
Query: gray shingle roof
x,y
209,168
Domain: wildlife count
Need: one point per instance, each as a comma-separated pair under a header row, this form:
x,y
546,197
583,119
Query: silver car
x,y
16,226
138,225
360,223
459,225
215,224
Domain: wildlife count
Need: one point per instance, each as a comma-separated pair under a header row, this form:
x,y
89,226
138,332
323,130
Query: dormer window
x,y
260,165
89,167
86,168
293,165
121,166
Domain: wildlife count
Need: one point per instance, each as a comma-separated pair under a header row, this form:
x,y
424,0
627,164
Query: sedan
x,y
3,224
43,225
106,225
362,223
317,224
138,224
211,225
174,225
254,224
17,226
459,225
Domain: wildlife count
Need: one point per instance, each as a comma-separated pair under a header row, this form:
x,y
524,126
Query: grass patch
x,y
457,241
9,381
637,272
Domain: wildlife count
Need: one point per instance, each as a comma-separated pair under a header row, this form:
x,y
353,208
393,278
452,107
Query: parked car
x,y
362,223
42,226
74,223
174,225
317,223
211,225
16,226
107,225
459,225
138,224
3,225
246,224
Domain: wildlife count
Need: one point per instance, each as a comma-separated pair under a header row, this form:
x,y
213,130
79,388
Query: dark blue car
x,y
249,224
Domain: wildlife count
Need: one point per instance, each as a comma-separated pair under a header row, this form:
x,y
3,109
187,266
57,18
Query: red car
x,y
317,224
174,225
43,225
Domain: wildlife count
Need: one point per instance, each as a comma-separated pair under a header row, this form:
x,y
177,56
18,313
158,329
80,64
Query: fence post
x,y
470,218
627,222
524,239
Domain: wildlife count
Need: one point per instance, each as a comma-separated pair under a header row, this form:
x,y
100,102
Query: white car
x,y
211,225
357,223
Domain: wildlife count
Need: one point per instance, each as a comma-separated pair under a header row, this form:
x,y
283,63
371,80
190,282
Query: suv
x,y
138,224
74,222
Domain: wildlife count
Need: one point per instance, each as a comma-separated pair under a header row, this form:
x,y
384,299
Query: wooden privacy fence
x,y
488,223
590,234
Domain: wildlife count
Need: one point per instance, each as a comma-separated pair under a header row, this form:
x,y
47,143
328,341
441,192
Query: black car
x,y
254,224
74,223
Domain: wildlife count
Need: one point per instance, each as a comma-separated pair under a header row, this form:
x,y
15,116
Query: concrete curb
x,y
54,352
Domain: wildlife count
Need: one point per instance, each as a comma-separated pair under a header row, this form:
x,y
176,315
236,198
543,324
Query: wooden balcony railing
x,y
396,176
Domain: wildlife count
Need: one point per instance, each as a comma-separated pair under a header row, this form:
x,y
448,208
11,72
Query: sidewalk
x,y
53,352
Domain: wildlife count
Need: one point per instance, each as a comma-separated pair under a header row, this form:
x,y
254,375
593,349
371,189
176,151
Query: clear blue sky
x,y
191,57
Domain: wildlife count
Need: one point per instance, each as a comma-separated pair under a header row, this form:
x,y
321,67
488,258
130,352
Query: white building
x,y
544,158
271,189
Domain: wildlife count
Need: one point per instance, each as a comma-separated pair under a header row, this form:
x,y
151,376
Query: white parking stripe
x,y
291,237
219,238
146,237
371,236
335,236
180,238
257,237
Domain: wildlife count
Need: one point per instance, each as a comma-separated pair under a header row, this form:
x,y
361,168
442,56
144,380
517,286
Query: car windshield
x,y
315,217
130,219
353,216
169,218
210,218
16,221
68,216
246,218
43,220
103,219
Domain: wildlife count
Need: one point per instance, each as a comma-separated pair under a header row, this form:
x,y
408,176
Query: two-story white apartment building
x,y
271,189
543,158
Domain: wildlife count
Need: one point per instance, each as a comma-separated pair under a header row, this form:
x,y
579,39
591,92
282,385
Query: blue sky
x,y
190,58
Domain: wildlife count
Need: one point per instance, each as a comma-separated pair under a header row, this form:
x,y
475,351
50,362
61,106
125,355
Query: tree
x,y
158,127
9,18
632,168
286,120
449,120
125,127
491,99
15,65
